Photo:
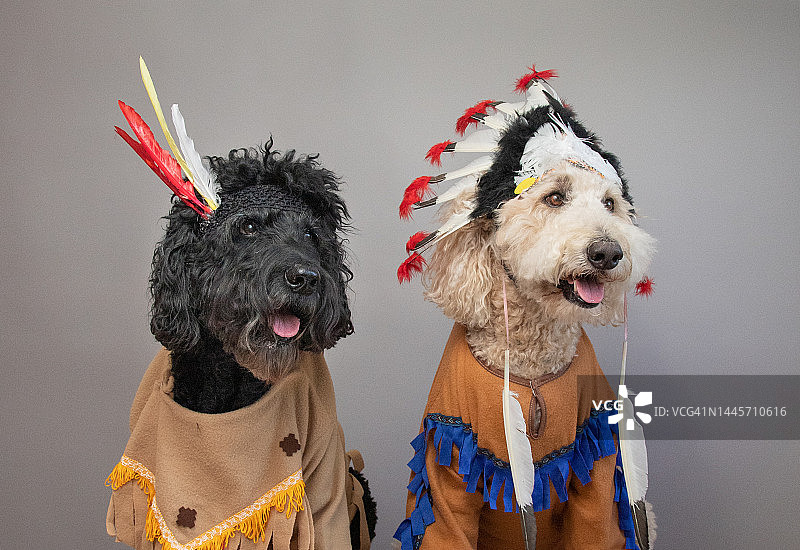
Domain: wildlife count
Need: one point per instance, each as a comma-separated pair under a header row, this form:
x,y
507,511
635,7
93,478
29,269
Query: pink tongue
x,y
590,292
285,326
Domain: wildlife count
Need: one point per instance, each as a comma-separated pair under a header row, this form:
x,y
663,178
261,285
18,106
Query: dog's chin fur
x,y
269,364
266,355
532,248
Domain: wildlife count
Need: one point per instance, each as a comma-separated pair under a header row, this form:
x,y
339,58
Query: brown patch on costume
x,y
186,517
290,445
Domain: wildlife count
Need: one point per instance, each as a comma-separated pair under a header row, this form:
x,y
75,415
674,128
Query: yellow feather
x,y
151,91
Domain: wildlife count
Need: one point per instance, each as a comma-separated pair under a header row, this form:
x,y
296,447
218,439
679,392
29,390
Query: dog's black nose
x,y
604,254
301,279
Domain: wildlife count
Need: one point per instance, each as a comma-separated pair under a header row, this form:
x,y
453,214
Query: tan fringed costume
x,y
273,472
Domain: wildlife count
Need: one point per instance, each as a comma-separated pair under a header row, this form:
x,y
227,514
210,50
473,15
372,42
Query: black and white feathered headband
x,y
524,141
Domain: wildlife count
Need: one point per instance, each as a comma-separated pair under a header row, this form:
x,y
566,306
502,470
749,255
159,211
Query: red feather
x,y
466,119
412,265
644,287
143,154
162,159
161,162
523,82
414,240
435,152
414,193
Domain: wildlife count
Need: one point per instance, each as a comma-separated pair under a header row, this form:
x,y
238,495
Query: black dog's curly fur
x,y
496,186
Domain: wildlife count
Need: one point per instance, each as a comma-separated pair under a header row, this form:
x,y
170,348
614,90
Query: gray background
x,y
699,100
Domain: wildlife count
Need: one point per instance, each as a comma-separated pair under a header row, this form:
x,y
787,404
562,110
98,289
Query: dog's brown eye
x,y
554,200
609,204
247,228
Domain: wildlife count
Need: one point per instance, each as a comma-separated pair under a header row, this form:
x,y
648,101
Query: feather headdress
x,y
523,141
184,173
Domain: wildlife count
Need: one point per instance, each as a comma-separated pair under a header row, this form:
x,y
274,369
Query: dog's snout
x,y
301,279
604,254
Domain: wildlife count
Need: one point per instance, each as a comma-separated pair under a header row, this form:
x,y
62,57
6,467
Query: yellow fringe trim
x,y
286,497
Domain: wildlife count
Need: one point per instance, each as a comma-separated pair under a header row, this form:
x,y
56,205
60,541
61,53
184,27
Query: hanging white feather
x,y
633,449
634,469
523,470
519,448
634,455
631,437
202,179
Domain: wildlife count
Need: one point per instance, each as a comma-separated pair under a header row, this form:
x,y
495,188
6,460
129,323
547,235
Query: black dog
x,y
236,297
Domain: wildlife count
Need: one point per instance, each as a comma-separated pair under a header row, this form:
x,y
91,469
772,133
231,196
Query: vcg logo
x,y
624,407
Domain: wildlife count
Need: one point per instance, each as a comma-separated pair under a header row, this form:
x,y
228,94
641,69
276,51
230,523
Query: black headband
x,y
255,196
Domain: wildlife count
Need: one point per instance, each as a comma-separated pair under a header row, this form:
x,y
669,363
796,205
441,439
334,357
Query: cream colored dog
x,y
536,239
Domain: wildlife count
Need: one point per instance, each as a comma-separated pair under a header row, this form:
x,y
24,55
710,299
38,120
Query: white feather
x,y
631,442
634,455
459,187
468,176
536,96
478,165
519,448
632,448
523,471
482,141
554,143
454,223
497,121
511,109
201,177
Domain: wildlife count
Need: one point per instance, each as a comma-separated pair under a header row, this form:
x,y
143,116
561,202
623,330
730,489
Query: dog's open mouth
x,y
284,325
585,292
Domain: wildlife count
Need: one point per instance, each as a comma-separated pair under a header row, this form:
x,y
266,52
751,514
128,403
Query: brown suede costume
x,y
268,475
461,494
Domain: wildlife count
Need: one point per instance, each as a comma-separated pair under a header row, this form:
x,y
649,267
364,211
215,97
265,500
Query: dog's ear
x,y
173,319
341,321
459,275
333,319
333,316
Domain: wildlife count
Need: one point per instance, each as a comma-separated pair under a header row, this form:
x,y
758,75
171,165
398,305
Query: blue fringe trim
x,y
593,440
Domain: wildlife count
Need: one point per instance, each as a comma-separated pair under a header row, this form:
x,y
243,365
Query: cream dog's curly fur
x,y
537,243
